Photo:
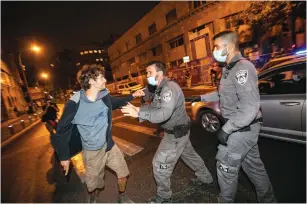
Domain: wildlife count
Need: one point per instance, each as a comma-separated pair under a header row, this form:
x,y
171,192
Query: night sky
x,y
63,25
69,24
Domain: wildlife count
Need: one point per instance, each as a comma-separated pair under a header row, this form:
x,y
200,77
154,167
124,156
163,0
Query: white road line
x,y
136,128
128,148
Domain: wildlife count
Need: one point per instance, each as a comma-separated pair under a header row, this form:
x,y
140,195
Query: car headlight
x,y
192,104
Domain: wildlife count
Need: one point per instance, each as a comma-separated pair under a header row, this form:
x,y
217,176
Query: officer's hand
x,y
196,99
139,93
130,110
222,136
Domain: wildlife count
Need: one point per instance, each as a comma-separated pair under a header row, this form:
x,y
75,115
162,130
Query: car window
x,y
121,86
287,80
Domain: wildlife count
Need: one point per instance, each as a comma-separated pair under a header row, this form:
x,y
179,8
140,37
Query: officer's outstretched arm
x,y
248,105
162,111
210,97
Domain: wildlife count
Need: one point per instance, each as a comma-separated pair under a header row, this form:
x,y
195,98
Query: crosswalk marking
x,y
118,117
136,128
128,148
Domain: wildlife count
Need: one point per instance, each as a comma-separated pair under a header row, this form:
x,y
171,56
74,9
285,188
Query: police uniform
x,y
240,106
168,109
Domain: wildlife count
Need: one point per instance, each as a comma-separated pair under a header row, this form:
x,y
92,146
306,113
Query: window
x,y
152,29
132,84
232,21
99,51
176,42
101,59
81,53
142,57
127,45
287,80
176,63
171,16
196,4
138,38
91,51
131,61
156,51
85,52
199,28
95,51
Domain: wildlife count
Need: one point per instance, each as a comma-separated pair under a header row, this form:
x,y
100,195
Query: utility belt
x,y
179,130
247,128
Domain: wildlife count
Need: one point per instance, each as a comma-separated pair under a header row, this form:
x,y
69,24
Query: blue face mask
x,y
217,54
152,81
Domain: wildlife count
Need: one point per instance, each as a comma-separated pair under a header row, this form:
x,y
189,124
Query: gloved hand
x,y
196,99
222,136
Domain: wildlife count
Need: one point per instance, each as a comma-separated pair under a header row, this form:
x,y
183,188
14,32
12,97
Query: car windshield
x,y
132,84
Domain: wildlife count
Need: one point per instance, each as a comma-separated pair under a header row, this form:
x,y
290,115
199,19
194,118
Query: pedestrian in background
x,y
49,117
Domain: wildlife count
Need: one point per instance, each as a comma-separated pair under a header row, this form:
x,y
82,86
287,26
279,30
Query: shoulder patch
x,y
241,76
167,96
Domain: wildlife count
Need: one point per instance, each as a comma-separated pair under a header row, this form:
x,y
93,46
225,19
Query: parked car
x,y
282,59
128,87
283,103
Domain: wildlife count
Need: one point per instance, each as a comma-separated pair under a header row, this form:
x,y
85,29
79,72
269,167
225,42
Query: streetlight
x,y
34,48
45,76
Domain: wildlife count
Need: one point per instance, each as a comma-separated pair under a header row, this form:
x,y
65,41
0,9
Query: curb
x,y
15,136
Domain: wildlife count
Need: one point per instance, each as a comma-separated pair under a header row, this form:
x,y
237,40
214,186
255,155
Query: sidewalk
x,y
200,87
12,128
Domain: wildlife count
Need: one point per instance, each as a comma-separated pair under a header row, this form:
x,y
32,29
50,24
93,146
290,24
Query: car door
x,y
283,95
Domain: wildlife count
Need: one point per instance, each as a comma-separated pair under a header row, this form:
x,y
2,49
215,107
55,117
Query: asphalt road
x,y
30,174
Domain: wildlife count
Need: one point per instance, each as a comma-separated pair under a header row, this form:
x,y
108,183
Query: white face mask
x,y
217,54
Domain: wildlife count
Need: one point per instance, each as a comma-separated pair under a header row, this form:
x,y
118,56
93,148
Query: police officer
x,y
240,106
168,110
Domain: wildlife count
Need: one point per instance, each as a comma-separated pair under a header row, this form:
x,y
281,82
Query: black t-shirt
x,y
51,113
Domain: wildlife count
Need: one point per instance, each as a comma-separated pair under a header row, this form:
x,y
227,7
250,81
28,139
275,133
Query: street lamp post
x,y
23,68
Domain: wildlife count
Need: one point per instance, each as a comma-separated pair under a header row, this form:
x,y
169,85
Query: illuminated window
x,y
85,52
97,60
91,51
99,51
101,59
95,51
81,53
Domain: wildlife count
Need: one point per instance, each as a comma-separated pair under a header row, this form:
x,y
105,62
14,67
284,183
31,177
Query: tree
x,y
262,16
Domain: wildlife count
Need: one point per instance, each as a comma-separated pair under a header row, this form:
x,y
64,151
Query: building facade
x,y
12,98
94,53
171,31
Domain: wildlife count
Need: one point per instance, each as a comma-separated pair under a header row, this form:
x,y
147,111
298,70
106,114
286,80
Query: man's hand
x,y
130,110
139,93
222,136
65,165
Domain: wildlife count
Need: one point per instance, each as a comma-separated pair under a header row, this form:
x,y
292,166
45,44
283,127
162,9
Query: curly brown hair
x,y
87,72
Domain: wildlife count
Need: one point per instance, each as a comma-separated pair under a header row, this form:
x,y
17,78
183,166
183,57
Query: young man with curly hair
x,y
87,123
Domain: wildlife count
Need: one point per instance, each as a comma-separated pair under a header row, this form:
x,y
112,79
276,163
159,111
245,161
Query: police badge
x,y
167,96
241,76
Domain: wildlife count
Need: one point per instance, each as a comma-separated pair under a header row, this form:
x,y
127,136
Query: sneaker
x,y
158,199
123,198
93,196
197,182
